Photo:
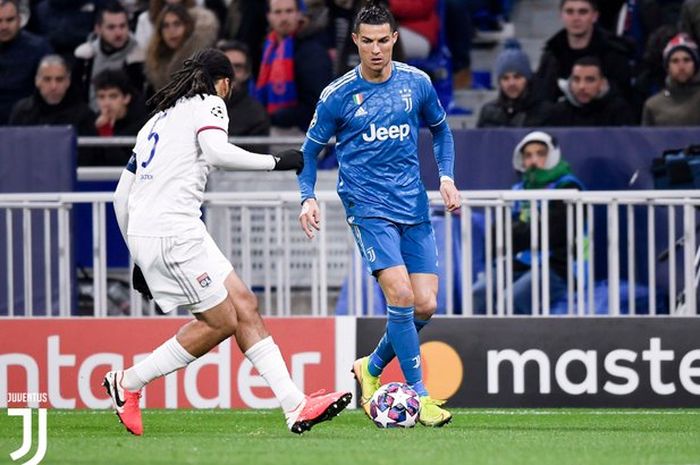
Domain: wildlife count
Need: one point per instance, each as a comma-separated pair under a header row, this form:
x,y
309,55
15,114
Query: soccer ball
x,y
394,405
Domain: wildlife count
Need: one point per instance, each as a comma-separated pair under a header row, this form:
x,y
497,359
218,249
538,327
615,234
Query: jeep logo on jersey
x,y
392,132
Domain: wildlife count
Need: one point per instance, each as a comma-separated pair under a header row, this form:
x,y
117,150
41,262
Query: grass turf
x,y
475,436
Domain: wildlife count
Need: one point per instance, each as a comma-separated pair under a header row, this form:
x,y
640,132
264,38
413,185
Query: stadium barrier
x,y
618,362
273,257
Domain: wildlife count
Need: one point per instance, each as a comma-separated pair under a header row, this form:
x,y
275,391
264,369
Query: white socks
x,y
267,359
170,356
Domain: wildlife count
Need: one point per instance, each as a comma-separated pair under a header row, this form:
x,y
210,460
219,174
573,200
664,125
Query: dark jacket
x,y
607,110
136,116
34,111
18,63
313,71
557,229
558,59
526,111
93,57
66,23
246,116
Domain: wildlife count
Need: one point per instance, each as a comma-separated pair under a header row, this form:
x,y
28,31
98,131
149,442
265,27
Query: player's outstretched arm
x,y
220,153
310,217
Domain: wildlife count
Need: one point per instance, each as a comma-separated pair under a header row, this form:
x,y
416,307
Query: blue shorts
x,y
384,244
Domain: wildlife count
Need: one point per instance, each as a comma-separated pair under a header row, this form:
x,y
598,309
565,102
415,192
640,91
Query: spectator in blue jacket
x,y
20,53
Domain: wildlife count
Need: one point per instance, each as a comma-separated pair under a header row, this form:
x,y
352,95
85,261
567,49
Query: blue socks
x,y
400,339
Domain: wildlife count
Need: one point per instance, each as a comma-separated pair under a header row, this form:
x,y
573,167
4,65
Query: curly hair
x,y
197,77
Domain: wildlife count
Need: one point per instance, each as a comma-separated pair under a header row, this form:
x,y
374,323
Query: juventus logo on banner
x,y
26,414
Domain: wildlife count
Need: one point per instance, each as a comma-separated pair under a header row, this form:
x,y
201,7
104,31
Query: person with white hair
x,y
538,157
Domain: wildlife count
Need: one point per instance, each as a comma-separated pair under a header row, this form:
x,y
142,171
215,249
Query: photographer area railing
x,y
259,233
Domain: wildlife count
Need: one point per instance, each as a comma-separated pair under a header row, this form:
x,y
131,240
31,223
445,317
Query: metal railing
x,y
268,250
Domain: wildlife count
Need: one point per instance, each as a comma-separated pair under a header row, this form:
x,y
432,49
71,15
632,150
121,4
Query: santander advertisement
x,y
59,363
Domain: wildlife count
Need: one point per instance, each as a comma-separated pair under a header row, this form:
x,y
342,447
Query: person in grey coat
x,y
678,104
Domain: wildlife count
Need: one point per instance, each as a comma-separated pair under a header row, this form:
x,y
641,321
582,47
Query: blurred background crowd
x,y
94,63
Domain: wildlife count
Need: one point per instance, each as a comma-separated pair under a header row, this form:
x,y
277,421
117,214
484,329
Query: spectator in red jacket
x,y
419,26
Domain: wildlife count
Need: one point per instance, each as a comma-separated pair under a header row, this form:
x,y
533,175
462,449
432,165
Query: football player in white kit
x,y
157,202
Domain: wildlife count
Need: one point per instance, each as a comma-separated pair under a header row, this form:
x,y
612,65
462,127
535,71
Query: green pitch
x,y
475,436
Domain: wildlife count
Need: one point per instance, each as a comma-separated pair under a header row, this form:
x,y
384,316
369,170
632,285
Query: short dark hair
x,y
593,3
113,79
12,2
375,13
590,60
298,4
237,46
112,7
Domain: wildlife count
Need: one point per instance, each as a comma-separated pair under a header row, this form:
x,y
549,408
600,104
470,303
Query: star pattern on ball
x,y
382,418
401,397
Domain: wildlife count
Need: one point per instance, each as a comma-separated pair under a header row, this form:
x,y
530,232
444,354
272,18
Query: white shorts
x,y
182,273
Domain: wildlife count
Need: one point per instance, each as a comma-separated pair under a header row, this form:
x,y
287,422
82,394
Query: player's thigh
x,y
419,248
379,242
182,272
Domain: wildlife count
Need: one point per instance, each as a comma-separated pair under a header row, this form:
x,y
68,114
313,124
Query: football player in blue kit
x,y
374,112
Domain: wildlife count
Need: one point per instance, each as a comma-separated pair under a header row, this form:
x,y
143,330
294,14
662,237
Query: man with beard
x,y
113,47
589,100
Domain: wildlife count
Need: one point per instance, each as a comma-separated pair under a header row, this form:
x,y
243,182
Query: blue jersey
x,y
376,128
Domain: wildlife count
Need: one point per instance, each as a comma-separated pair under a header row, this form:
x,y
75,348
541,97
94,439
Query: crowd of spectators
x,y
95,63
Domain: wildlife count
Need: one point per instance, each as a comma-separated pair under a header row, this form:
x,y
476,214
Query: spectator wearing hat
x,y
678,104
516,105
589,100
538,159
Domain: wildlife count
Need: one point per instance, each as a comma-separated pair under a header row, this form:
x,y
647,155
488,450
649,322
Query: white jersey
x,y
171,171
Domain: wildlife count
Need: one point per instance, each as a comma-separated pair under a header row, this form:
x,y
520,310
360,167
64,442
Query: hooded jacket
x,y
607,109
561,178
676,105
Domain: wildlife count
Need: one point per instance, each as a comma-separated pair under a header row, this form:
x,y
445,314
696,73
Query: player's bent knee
x,y
426,307
400,295
245,303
